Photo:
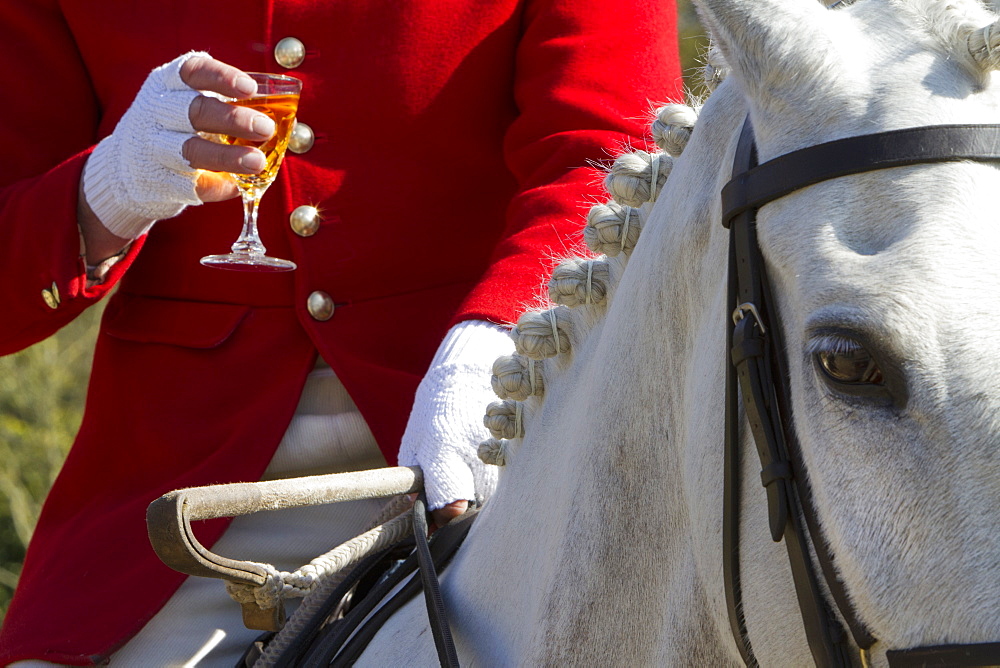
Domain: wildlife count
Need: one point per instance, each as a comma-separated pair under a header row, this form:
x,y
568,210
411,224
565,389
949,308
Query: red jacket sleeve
x,y
49,123
589,74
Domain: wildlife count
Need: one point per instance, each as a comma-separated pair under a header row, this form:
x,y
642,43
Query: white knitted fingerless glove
x,y
446,424
138,175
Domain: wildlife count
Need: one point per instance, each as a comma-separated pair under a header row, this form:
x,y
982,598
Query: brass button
x,y
320,306
301,139
290,52
305,220
51,296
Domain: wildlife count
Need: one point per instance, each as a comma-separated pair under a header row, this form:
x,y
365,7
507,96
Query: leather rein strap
x,y
758,371
349,637
436,613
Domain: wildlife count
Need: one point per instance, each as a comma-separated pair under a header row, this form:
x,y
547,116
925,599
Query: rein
x,y
758,371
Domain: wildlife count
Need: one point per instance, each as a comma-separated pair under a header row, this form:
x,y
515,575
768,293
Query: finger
x,y
210,115
203,73
215,187
203,154
447,513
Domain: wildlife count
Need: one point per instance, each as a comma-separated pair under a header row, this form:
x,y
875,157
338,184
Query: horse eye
x,y
846,361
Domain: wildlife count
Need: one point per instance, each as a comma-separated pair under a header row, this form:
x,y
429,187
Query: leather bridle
x,y
759,370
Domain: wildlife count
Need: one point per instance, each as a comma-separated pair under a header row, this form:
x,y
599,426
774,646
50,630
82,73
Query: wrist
x,y
99,244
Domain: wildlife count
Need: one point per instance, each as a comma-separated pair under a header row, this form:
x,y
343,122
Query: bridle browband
x,y
759,371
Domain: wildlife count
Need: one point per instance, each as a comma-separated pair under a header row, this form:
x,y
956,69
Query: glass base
x,y
244,262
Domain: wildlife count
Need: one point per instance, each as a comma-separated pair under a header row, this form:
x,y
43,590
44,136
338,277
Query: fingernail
x,y
246,85
253,161
263,125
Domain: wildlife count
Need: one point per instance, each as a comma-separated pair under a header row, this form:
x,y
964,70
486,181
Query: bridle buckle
x,y
748,307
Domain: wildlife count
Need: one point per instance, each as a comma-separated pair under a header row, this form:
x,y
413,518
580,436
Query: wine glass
x,y
278,97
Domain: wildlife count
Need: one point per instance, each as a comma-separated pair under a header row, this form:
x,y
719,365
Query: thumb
x,y
447,513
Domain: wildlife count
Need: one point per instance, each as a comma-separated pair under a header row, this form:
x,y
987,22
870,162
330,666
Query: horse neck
x,y
590,540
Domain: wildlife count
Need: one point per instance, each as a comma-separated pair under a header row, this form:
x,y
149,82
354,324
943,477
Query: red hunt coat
x,y
446,137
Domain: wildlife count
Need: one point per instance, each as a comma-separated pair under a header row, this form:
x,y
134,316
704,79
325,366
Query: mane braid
x,y
962,28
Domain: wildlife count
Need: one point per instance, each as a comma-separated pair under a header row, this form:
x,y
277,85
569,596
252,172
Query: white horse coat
x,y
603,542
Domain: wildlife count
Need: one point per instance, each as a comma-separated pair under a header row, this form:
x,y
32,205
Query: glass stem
x,y
249,242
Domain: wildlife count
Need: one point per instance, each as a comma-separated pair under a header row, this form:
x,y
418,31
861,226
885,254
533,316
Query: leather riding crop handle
x,y
168,519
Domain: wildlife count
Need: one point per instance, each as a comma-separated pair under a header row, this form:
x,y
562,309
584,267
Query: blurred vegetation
x,y
693,45
42,391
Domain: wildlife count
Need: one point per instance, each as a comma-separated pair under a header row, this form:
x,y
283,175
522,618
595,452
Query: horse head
x,y
882,282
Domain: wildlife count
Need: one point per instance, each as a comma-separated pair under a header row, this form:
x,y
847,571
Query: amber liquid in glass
x,y
278,97
281,109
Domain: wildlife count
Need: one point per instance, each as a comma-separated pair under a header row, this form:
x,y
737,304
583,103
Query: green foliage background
x,y
693,43
43,388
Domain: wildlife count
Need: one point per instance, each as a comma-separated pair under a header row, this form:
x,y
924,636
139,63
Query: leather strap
x,y
946,656
752,352
344,645
347,638
312,627
854,155
732,490
436,612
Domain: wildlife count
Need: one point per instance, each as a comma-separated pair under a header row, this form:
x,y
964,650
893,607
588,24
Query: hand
x,y
153,165
208,114
446,424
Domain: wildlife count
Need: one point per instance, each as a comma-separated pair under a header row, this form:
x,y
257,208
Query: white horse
x,y
603,542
